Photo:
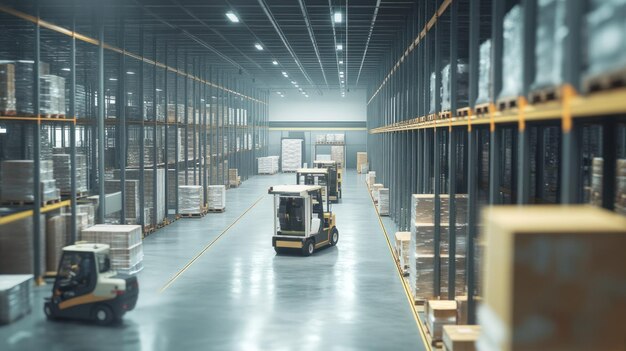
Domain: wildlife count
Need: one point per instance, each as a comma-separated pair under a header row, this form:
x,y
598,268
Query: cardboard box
x,y
554,278
438,314
460,337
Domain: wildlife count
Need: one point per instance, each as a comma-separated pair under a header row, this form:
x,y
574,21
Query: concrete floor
x,y
216,284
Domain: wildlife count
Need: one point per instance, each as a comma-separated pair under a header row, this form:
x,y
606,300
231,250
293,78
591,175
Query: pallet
x,y
605,81
482,109
545,95
28,203
232,185
51,115
148,229
216,210
506,104
78,194
431,117
463,112
445,115
192,215
50,275
8,113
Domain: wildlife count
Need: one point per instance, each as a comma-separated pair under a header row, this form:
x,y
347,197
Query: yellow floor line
x,y
407,291
195,258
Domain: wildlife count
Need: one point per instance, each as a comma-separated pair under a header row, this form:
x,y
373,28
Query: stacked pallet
x,y
375,191
150,198
462,86
217,197
234,180
484,73
131,195
52,95
16,177
361,162
125,243
291,154
190,199
82,222
15,297
370,179
402,249
17,247
63,171
439,313
559,265
268,165
597,165
337,155
7,88
460,337
56,240
89,210
512,57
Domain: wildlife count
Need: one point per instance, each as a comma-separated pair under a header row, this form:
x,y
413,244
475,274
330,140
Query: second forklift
x,y
334,178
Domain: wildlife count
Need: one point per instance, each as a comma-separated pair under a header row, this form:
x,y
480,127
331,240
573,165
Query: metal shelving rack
x,y
495,155
138,67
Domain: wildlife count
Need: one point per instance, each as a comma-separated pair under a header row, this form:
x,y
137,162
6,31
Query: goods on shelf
x,y
234,179
361,162
432,93
51,95
149,196
125,243
402,247
559,265
370,179
462,86
462,308
440,313
423,208
190,199
422,275
484,73
606,36
336,154
15,296
131,195
16,177
460,337
88,209
550,43
7,88
597,165
620,196
217,197
291,154
23,84
512,54
55,241
425,237
63,172
17,246
374,189
80,101
268,165
172,116
82,222
383,201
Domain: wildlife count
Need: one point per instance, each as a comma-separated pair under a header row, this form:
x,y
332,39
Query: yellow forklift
x,y
314,176
86,288
303,220
334,178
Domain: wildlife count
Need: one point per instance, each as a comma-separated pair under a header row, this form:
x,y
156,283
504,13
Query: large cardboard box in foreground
x,y
555,279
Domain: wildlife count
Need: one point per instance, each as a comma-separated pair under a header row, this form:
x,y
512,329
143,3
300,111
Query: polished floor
x,y
216,284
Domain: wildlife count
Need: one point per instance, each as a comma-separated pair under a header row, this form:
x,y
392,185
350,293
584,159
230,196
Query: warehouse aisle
x,y
207,288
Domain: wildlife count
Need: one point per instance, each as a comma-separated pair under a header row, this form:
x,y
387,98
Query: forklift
x,y
313,176
303,220
334,178
87,289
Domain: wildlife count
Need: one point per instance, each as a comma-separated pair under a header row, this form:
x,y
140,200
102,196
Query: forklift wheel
x,y
103,315
308,248
279,250
48,312
334,237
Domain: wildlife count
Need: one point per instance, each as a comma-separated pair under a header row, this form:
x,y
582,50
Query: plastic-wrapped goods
x,y
336,154
268,165
374,189
462,86
17,246
149,196
233,177
370,179
291,154
15,296
361,161
512,54
402,249
383,201
62,172
16,178
82,222
620,189
190,199
172,116
52,95
7,88
484,73
433,87
440,313
460,337
606,36
549,47
80,101
88,209
424,234
320,138
422,273
55,241
423,208
131,195
597,165
340,138
217,197
125,244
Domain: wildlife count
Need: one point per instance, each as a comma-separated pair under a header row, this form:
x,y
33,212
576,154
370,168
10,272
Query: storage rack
x,y
137,65
534,152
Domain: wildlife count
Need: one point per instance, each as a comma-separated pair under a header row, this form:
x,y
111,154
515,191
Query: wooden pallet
x,y
545,95
50,275
506,104
52,115
8,113
482,109
605,81
463,112
192,215
78,194
216,210
445,115
148,229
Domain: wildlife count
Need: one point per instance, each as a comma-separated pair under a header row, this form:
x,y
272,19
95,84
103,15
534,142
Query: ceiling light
x,y
297,86
338,17
339,47
341,72
113,79
66,69
130,72
342,82
279,93
341,62
232,17
305,95
275,63
158,89
293,82
258,47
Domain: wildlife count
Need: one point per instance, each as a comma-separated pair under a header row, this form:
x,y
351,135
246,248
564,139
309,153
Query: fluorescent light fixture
x,y
232,17
157,89
306,96
130,72
113,79
338,18
130,93
275,63
341,62
297,86
303,93
258,47
293,82
3,130
342,82
66,69
341,73
279,93
284,73
339,47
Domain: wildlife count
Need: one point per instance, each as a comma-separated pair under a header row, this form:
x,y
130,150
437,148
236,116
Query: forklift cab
x,y
314,176
302,219
86,288
334,178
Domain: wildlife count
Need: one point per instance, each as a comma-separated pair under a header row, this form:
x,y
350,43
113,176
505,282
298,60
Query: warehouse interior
x,y
313,174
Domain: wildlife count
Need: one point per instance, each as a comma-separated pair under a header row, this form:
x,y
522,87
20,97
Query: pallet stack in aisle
x,y
7,89
17,177
268,165
291,154
383,201
149,196
337,155
595,197
370,179
361,162
62,173
561,267
15,296
439,313
460,337
190,200
402,247
56,240
234,180
375,191
17,246
217,198
125,244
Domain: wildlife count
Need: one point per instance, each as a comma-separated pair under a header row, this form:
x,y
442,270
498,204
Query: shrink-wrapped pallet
x,y
17,247
63,172
432,93
337,155
268,165
190,199
124,241
7,88
52,95
462,86
460,337
606,36
55,241
423,208
422,275
217,197
131,195
16,177
550,38
361,161
512,54
375,189
149,195
440,313
15,296
291,154
402,249
370,179
383,201
89,210
233,177
484,73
